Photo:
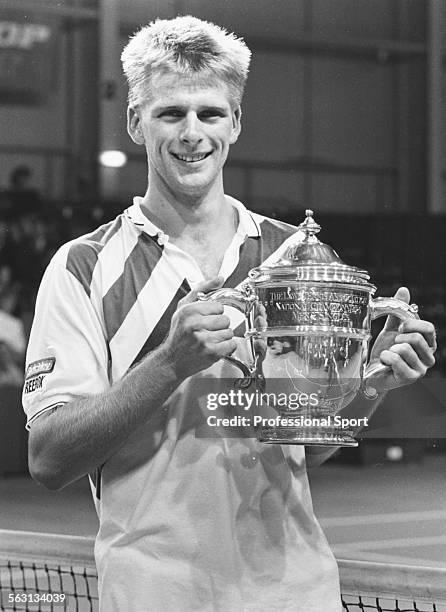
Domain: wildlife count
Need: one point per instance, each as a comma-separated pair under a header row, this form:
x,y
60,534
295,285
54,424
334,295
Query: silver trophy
x,y
313,312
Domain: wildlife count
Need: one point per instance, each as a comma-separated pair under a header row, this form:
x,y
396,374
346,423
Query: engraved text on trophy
x,y
314,305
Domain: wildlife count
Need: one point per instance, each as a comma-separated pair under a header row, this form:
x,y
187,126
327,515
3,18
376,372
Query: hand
x,y
199,333
406,347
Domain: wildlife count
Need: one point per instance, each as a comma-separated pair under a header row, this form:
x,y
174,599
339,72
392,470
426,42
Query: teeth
x,y
191,158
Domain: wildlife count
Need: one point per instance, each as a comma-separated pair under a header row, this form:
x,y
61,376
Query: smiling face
x,y
187,126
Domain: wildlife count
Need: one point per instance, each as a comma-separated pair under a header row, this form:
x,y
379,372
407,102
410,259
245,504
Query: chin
x,y
197,187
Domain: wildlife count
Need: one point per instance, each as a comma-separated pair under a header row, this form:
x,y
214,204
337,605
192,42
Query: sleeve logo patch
x,y
42,366
34,383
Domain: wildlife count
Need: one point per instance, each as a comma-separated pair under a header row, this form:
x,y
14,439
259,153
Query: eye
x,y
172,113
211,113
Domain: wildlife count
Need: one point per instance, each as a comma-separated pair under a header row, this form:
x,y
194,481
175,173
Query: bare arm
x,y
73,440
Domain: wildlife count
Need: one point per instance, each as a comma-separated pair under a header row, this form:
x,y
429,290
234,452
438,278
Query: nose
x,y
190,129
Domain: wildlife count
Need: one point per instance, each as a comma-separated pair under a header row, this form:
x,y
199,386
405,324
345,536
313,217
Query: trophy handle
x,y
244,300
381,307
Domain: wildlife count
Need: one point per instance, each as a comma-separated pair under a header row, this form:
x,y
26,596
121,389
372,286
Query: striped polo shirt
x,y
187,522
108,298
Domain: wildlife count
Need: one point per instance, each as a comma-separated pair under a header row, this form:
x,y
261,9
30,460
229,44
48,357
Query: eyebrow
x,y
201,107
215,107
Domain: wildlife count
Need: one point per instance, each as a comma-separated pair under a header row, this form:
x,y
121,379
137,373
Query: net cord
x,y
368,577
47,547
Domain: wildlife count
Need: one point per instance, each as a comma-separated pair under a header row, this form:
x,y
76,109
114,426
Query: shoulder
x,y
80,256
272,232
94,242
270,228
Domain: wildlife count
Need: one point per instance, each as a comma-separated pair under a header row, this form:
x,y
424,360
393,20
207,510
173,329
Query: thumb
x,y
203,287
392,322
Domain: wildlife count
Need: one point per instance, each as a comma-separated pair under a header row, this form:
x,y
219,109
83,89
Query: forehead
x,y
167,89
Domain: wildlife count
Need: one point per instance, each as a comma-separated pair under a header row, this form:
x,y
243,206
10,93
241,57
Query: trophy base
x,y
308,437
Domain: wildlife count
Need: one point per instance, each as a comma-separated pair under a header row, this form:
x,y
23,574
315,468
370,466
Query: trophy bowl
x,y
314,314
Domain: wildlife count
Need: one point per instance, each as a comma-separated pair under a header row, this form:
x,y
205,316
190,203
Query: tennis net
x,y
37,567
45,572
387,587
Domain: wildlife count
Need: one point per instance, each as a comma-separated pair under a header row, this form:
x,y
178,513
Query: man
x,y
119,339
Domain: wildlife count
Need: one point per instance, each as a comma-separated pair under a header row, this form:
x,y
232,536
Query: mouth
x,y
191,158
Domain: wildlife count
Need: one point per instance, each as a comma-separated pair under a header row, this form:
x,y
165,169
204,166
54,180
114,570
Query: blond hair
x,y
187,46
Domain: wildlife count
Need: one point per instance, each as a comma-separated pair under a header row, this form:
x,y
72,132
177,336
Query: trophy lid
x,y
309,259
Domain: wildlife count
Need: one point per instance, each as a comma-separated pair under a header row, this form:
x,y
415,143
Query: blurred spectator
x,y
12,336
23,198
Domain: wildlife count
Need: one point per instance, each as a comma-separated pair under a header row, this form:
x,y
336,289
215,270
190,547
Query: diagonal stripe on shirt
x,y
111,261
274,234
249,257
153,299
83,254
162,328
103,233
124,292
253,252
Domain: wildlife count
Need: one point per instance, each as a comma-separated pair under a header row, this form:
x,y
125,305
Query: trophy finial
x,y
309,226
310,250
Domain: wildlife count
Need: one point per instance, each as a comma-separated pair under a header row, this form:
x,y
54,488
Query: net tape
x,y
37,563
386,587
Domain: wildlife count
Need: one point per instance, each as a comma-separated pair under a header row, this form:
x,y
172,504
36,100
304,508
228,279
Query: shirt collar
x,y
247,225
138,218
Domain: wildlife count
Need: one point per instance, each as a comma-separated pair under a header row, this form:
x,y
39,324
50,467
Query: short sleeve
x,y
67,356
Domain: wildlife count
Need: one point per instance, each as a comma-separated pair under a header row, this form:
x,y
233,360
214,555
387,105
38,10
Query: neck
x,y
190,215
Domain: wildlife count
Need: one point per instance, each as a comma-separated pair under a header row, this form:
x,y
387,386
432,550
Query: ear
x,y
134,126
236,124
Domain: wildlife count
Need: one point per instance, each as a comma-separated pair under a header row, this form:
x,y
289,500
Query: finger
x,y
260,310
392,322
225,348
203,287
209,285
219,336
196,310
215,322
425,328
420,346
400,368
208,341
409,355
260,347
260,323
